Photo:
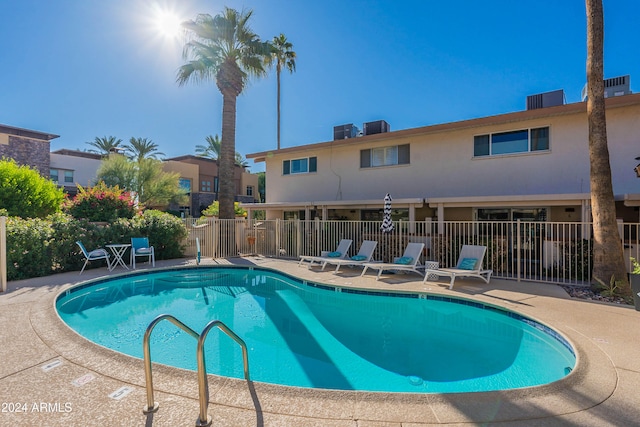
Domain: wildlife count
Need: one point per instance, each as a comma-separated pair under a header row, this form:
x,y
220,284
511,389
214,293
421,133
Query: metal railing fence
x,y
556,252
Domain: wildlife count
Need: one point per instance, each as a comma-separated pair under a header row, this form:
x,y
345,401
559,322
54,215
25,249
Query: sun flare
x,y
167,24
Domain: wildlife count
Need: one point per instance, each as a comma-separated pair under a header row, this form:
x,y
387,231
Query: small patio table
x,y
118,250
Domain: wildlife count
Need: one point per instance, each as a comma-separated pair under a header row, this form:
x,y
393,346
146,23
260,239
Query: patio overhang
x,y
334,204
632,199
576,199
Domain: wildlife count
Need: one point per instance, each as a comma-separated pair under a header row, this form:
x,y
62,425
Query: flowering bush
x,y
101,203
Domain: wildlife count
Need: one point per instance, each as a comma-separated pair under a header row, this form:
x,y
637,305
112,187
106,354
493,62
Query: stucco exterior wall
x,y
442,164
84,170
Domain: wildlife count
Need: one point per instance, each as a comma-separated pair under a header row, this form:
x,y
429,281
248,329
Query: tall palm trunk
x,y
608,258
226,162
278,95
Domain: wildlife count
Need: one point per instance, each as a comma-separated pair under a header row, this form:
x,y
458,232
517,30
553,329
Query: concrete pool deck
x,y
51,376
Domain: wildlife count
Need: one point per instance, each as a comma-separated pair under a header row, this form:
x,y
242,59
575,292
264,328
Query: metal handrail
x,y
203,384
146,348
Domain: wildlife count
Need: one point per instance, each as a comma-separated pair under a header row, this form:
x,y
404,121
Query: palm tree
x,y
223,48
211,150
142,148
284,57
241,161
608,257
105,145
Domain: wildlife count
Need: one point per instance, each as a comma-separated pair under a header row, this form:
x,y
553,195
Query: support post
x,y
3,253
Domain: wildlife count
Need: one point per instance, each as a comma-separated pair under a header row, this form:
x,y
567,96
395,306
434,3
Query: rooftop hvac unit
x,y
379,126
547,99
345,131
615,86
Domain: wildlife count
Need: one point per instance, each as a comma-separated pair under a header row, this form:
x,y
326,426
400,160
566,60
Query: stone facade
x,y
26,147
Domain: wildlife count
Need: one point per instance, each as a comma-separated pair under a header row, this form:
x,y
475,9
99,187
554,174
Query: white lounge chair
x,y
409,261
341,252
363,256
469,265
93,255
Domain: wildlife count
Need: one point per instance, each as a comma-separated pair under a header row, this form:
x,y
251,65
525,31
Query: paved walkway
x,y
50,376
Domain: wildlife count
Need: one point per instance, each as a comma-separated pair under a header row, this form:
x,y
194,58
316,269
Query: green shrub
x,y
39,247
28,253
166,233
101,203
214,209
25,193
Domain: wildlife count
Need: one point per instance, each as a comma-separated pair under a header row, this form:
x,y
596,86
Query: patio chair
x,y
140,248
341,252
363,256
93,255
407,262
469,265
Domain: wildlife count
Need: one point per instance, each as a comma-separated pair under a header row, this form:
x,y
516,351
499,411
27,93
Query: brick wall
x,y
27,151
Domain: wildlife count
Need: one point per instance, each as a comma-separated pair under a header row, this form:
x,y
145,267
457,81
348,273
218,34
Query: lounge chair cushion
x,y
405,260
468,264
335,254
358,258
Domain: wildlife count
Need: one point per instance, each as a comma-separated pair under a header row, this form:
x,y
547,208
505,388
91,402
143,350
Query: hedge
x,y
39,247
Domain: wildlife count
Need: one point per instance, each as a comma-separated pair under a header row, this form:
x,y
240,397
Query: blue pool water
x,y
308,335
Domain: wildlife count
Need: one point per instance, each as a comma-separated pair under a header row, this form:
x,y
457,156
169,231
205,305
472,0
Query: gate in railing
x,y
557,252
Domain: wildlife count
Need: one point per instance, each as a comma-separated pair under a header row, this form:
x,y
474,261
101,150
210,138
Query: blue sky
x,y
87,68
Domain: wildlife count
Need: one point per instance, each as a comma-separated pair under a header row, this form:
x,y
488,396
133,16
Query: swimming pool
x,y
304,334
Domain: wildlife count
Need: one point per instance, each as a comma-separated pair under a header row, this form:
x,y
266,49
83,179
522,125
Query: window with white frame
x,y
385,156
304,165
53,175
517,141
68,176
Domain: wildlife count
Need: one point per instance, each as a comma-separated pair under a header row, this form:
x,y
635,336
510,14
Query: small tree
x,y
152,186
25,193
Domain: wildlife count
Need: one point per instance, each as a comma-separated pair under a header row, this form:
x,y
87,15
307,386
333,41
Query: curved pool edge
x,y
591,382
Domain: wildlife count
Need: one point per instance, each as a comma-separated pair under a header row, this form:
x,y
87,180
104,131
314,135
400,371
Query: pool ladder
x,y
203,384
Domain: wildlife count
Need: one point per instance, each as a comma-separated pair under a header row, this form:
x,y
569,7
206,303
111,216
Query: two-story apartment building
x,y
199,176
531,164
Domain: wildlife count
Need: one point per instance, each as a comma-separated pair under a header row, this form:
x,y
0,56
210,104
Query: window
x,y
185,184
305,165
385,156
53,174
511,214
68,176
205,186
249,190
519,141
216,184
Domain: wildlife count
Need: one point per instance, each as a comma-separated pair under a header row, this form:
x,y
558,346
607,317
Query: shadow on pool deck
x,y
51,376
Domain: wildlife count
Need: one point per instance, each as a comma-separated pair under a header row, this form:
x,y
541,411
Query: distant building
x,y
199,176
26,147
70,168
